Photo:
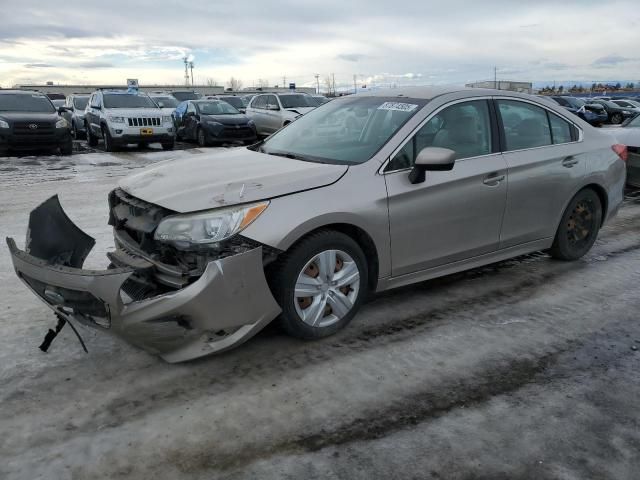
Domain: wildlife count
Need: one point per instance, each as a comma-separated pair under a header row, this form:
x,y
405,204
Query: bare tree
x,y
234,84
329,84
211,82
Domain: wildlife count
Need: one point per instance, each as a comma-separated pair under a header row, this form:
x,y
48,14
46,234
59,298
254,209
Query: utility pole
x,y
495,78
317,75
355,83
186,70
284,81
191,67
333,82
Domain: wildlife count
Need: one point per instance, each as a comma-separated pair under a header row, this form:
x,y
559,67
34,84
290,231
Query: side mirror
x,y
434,159
62,110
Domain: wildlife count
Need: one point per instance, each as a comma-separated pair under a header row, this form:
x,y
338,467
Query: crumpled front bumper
x,y
226,306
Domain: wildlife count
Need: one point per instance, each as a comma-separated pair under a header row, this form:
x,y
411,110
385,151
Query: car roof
x,y
20,92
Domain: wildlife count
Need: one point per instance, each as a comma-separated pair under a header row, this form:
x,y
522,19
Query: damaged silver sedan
x,y
363,194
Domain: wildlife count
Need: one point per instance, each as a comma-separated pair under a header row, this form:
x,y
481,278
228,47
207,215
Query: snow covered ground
x,y
524,369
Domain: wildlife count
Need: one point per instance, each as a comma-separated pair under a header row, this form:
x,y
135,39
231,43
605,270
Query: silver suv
x,y
120,117
272,111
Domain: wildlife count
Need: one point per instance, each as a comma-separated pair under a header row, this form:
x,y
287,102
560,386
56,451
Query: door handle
x,y
493,179
569,162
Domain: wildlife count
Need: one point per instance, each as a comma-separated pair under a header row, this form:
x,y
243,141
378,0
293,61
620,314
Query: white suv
x,y
120,118
272,111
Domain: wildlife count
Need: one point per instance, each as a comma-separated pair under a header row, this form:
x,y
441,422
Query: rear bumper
x,y
125,139
226,306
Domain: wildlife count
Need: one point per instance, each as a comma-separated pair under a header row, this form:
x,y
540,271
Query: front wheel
x,y
108,140
67,147
320,284
579,226
202,139
92,140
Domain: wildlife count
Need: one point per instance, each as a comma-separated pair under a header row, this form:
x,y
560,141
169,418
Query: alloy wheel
x,y
327,288
580,224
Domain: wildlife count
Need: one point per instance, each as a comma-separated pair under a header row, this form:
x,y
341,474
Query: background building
x,y
203,89
522,87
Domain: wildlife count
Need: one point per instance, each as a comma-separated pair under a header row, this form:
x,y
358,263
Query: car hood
x,y
167,110
228,177
134,112
300,110
29,116
233,119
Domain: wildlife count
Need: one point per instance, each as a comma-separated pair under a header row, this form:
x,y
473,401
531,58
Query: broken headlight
x,y
206,228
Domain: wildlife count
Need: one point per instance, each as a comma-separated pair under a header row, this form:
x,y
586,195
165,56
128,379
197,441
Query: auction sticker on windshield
x,y
401,107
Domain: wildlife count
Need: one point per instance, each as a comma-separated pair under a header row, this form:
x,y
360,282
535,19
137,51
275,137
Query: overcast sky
x,y
410,41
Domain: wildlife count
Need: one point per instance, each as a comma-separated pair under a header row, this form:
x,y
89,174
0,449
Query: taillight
x,y
621,151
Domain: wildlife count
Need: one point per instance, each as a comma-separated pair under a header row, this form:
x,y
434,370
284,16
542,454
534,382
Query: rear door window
x,y
561,130
525,125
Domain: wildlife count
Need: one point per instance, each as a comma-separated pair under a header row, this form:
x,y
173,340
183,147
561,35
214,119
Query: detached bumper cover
x,y
226,306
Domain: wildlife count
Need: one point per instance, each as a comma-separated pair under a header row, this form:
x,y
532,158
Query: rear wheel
x,y
616,118
579,226
320,284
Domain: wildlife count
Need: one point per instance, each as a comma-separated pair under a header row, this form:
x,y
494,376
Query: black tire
x,y
617,118
143,145
169,146
66,148
92,140
108,140
283,275
579,226
201,138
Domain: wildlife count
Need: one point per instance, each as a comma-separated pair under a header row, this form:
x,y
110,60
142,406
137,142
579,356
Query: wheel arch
x,y
602,195
364,241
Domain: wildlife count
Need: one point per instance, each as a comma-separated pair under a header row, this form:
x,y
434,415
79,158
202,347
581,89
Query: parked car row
x,y
598,111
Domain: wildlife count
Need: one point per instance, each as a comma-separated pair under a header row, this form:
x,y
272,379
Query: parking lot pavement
x,y
524,369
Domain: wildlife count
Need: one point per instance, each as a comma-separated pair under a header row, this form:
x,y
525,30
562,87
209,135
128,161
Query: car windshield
x,y
319,100
167,102
296,101
346,131
124,100
574,102
635,122
182,96
25,103
235,101
80,103
216,108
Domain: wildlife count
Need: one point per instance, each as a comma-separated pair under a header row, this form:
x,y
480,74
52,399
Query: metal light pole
x,y
191,67
317,83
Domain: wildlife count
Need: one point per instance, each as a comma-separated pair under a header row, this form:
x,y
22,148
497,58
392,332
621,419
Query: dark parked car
x,y
629,134
182,95
592,113
211,121
616,113
232,100
56,96
76,104
29,121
